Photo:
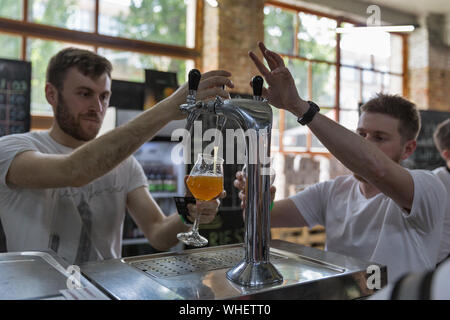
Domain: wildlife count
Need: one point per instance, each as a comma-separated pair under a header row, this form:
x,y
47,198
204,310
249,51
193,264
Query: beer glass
x,y
205,182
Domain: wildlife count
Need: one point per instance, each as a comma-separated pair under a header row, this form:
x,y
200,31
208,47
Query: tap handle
x,y
257,84
194,79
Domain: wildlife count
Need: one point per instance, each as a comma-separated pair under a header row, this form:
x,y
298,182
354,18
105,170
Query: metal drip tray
x,y
172,266
307,273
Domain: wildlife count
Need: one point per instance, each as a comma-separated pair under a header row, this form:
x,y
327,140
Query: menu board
x,y
15,81
426,156
127,95
158,86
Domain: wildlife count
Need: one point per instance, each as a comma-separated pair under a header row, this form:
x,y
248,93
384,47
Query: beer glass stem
x,y
195,227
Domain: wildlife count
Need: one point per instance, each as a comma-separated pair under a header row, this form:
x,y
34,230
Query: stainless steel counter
x,y
42,276
201,274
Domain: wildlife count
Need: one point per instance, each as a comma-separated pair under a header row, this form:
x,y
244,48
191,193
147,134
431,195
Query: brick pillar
x,y
230,31
429,63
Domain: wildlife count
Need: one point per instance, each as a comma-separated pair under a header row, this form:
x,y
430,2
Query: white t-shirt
x,y
377,229
444,250
79,224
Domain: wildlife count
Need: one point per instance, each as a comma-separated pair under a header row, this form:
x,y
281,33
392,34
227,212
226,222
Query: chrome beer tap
x,y
255,116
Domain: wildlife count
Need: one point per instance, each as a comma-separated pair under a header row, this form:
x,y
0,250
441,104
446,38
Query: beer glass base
x,y
192,239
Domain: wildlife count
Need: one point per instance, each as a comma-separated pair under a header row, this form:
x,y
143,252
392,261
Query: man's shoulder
x,y
26,136
443,174
428,183
423,174
343,180
336,185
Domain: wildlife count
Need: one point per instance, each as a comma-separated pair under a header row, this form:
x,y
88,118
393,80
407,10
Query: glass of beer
x,y
205,182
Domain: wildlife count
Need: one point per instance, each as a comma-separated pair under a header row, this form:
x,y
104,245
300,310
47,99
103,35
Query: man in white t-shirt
x,y
382,213
442,141
66,190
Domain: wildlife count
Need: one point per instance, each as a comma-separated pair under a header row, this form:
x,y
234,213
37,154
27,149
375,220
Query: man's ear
x,y
51,94
409,148
446,154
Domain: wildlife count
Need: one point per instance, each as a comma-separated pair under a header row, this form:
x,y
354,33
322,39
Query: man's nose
x,y
97,104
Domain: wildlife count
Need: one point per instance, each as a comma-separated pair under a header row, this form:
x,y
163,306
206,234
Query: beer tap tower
x,y
255,116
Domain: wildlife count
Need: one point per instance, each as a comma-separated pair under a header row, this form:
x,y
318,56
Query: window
x,y
309,45
11,46
155,21
11,9
133,34
70,14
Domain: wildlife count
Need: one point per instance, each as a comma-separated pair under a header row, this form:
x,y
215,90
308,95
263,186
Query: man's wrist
x,y
300,108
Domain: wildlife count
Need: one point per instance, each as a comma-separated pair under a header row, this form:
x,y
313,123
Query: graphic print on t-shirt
x,y
84,246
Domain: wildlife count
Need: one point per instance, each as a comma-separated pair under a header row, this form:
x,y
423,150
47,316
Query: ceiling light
x,y
213,3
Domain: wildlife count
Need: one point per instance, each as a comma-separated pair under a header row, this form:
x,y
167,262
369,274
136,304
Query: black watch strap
x,y
183,211
309,115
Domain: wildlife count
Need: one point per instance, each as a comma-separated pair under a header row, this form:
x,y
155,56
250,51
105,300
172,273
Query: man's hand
x,y
205,210
239,183
212,84
282,92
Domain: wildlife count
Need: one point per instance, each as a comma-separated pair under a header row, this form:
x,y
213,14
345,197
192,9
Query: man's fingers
x,y
223,195
215,81
214,73
239,184
259,65
274,57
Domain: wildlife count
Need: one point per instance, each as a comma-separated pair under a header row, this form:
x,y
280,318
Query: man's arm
x,y
32,169
285,214
161,230
358,155
365,159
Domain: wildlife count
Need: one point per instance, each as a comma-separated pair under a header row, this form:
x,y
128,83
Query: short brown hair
x,y
399,108
87,62
441,135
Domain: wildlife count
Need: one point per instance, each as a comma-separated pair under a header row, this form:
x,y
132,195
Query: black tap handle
x,y
194,79
257,84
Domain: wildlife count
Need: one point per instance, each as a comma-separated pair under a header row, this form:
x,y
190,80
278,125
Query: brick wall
x,y
429,64
230,31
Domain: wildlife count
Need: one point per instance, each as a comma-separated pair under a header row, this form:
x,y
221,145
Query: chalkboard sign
x,y
158,86
15,81
127,94
426,156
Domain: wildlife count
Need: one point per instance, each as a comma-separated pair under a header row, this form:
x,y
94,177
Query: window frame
x,y
337,63
26,29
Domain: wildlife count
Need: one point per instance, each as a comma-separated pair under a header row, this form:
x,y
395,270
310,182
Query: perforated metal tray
x,y
172,266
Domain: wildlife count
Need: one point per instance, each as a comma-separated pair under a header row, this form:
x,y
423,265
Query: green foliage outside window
x,y
11,9
161,21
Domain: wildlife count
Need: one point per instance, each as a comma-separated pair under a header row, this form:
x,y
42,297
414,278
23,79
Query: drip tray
x,y
307,273
172,266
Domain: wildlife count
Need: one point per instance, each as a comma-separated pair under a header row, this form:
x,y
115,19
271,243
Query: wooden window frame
x,y
337,63
26,29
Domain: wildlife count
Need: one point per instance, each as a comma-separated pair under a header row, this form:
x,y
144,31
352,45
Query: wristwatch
x,y
309,115
183,211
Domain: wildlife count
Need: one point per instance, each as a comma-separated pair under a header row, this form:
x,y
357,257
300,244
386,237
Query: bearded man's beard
x,y
69,124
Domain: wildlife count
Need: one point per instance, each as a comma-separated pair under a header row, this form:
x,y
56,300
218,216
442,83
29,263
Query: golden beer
x,y
205,187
